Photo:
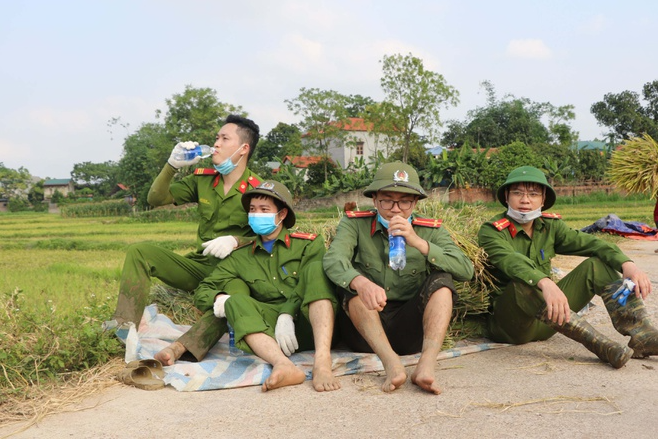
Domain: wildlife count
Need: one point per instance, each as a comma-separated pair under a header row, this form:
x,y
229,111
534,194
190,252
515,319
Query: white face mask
x,y
523,217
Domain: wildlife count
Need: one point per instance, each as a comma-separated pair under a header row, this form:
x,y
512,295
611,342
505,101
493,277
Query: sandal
x,y
140,377
154,365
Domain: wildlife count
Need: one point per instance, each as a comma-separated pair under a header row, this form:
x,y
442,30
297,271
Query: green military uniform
x,y
519,261
262,285
220,215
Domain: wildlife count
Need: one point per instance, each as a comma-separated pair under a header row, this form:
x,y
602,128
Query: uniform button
x,y
413,271
530,281
388,288
433,259
368,264
274,278
344,283
294,273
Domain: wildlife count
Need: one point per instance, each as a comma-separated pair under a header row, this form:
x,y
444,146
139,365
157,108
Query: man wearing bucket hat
x,y
395,312
529,305
274,294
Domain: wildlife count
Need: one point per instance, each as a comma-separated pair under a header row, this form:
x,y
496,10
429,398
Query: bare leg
x,y
284,372
370,327
170,354
436,319
321,315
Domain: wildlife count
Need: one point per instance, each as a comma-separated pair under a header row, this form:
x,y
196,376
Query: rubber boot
x,y
579,330
631,319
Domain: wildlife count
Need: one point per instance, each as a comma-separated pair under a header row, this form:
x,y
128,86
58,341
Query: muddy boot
x,y
631,319
579,330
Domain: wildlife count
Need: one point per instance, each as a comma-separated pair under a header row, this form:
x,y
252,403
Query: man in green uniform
x,y
222,223
274,294
395,312
529,305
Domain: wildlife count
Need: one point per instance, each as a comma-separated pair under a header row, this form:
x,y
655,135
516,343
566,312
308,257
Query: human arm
x,y
557,304
638,277
223,280
159,194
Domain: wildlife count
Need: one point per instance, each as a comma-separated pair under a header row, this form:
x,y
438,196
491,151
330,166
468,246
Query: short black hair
x,y
247,130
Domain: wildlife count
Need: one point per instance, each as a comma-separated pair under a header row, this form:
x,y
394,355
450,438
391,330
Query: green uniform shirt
x,y
361,248
514,256
274,278
220,215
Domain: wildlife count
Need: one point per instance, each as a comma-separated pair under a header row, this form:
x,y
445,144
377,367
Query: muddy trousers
x,y
144,261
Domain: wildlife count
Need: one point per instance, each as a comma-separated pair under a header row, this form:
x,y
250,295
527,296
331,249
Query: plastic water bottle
x,y
233,350
397,252
189,154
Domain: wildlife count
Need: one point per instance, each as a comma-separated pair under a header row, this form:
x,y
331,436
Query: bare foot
x,y
283,375
170,354
396,376
424,378
323,378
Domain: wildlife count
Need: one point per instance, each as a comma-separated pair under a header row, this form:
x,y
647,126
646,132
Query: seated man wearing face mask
x,y
529,305
274,294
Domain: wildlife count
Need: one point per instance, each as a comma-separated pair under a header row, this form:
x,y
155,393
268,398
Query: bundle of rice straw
x,y
634,166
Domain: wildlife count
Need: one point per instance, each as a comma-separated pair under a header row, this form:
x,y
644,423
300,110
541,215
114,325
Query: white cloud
x,y
528,49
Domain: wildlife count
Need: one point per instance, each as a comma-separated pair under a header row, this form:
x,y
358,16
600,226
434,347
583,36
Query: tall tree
x,y
282,140
624,114
99,177
13,182
323,114
416,95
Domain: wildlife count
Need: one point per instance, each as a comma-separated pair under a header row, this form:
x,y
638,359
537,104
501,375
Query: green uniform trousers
x,y
513,318
249,316
144,261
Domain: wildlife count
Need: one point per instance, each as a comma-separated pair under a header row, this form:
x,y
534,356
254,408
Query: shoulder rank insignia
x,y
300,235
360,213
551,215
427,222
205,171
502,224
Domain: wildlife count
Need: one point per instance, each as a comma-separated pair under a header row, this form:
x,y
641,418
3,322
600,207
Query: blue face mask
x,y
227,166
263,223
385,223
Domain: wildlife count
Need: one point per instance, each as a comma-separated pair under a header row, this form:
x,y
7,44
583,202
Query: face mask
x,y
523,217
227,166
384,222
263,223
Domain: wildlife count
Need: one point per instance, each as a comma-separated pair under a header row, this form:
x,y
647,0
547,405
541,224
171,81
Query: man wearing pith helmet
x,y
530,305
274,294
395,312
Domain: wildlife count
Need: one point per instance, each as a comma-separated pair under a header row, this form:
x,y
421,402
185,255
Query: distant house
x,y
300,162
360,142
63,185
591,144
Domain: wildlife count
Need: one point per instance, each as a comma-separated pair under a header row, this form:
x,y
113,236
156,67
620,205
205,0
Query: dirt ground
x,y
552,389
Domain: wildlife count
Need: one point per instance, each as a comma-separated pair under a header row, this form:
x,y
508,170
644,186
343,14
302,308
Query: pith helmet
x,y
396,177
276,190
527,174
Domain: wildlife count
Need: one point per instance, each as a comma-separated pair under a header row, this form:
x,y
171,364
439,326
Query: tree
x,y
100,177
415,96
282,140
323,116
13,182
624,114
196,114
506,159
357,105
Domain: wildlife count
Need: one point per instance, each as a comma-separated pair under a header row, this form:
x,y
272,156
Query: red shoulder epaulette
x,y
300,235
205,171
251,181
360,213
427,222
551,215
502,224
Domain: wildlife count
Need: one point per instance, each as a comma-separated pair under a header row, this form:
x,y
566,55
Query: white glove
x,y
284,333
218,307
177,160
219,247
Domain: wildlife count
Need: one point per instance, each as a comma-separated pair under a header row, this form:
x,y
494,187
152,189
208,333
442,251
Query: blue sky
x,y
67,67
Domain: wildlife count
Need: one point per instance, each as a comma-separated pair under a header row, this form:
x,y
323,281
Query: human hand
x,y
372,295
284,332
180,148
638,277
557,305
400,226
219,247
220,303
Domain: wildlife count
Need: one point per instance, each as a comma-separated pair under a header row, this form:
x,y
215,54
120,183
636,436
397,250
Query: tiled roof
x,y
57,182
302,161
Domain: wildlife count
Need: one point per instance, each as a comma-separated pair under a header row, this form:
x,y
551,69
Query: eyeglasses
x,y
530,195
402,204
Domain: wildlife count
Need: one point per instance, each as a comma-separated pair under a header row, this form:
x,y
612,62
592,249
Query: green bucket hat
x,y
276,190
527,174
396,177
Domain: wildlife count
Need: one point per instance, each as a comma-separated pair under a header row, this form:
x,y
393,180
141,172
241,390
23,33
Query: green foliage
x,y
57,197
36,345
358,175
292,178
106,208
414,97
281,141
18,204
100,178
187,214
506,159
13,181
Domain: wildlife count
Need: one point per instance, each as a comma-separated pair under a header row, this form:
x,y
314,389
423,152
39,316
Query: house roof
x,y
591,144
355,124
57,182
302,161
123,187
